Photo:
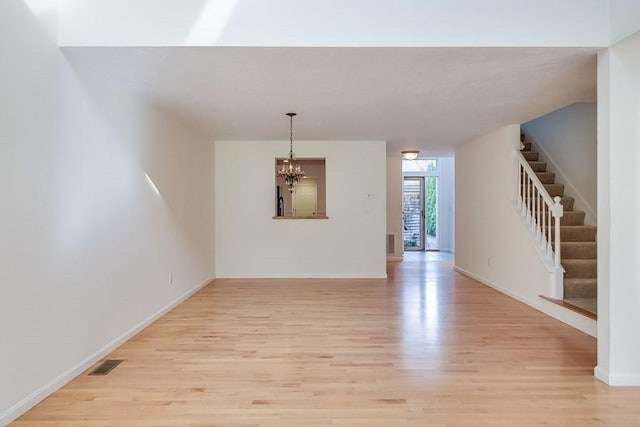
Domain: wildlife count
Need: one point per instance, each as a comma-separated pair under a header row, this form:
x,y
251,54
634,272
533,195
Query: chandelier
x,y
290,172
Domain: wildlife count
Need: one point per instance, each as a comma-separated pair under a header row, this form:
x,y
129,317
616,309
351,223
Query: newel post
x,y
558,212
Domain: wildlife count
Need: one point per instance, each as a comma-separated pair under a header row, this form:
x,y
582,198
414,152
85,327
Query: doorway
x,y
305,197
413,213
420,208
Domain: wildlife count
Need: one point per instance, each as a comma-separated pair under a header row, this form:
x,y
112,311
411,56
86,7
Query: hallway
x,y
428,346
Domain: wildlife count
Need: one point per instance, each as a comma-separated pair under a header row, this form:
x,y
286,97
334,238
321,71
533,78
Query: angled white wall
x,y
618,213
107,217
492,244
567,140
250,243
394,203
446,205
334,23
624,19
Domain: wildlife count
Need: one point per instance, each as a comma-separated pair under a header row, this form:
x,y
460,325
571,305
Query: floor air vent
x,y
106,367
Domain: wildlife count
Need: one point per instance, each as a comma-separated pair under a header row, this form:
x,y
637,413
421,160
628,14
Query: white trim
x,y
425,175
40,394
302,276
616,380
394,258
601,374
575,320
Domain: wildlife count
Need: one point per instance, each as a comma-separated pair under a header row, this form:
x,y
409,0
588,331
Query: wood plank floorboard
x,y
426,347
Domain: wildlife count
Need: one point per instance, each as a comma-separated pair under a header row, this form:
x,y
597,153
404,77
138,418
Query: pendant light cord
x,y
291,137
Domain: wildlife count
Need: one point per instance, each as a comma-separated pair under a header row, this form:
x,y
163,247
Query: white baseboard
x,y
616,380
305,276
40,394
394,257
575,320
601,374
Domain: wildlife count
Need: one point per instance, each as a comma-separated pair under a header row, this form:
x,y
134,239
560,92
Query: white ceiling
x,y
425,98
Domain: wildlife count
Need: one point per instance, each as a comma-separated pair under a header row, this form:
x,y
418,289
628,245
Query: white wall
x,y
464,23
492,244
618,213
87,244
624,19
446,204
567,140
394,203
250,243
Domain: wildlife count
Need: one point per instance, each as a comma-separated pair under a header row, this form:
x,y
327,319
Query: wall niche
x,y
308,199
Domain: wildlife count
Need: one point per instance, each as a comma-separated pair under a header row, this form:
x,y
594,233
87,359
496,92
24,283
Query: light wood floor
x,y
427,347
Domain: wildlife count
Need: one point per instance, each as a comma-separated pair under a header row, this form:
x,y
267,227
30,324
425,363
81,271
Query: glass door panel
x,y
431,216
413,213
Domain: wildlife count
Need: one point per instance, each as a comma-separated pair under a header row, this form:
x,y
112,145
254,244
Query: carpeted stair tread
x,y
554,189
538,166
578,250
546,177
572,218
530,156
580,268
527,146
580,288
575,233
566,202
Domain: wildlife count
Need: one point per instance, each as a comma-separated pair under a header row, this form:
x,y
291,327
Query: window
x,y
420,165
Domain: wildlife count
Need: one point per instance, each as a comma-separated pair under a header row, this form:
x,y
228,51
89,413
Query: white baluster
x,y
533,211
539,202
526,196
530,196
519,197
558,211
522,188
538,207
549,230
543,230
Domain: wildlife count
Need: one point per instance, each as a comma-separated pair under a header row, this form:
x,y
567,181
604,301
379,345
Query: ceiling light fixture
x,y
410,154
290,172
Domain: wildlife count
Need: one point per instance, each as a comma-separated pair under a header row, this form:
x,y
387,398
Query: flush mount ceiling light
x,y
410,154
290,172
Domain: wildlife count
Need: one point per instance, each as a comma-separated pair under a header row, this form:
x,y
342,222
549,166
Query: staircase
x,y
578,250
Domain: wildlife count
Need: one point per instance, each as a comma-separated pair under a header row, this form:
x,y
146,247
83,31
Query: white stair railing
x,y
541,214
